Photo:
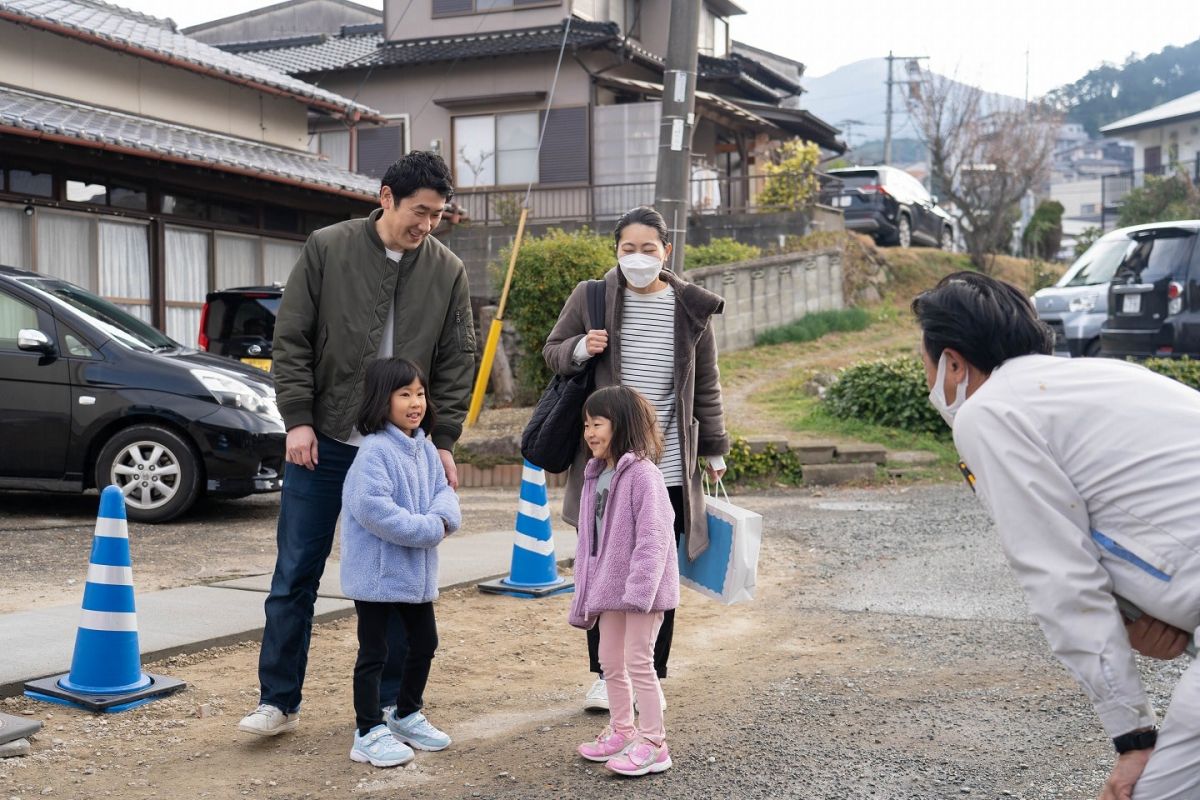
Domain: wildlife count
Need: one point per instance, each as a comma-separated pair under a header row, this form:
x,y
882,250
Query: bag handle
x,y
720,487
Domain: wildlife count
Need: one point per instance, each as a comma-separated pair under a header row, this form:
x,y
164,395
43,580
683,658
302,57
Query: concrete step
x,y
810,451
912,458
834,474
860,454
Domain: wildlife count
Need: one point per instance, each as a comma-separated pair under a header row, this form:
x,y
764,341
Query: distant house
x,y
471,78
152,168
1165,136
289,19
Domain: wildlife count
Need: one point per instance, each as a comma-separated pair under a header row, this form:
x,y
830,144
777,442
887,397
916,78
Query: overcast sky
x,y
976,41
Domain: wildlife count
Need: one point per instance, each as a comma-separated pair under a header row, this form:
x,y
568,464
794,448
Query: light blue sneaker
x,y
416,731
379,748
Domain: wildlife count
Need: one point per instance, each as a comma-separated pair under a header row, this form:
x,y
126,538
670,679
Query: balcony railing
x,y
604,202
1115,188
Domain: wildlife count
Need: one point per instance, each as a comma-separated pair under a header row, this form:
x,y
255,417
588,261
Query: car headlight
x,y
1086,302
229,391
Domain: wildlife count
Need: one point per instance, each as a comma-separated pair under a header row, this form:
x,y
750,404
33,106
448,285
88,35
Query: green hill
x,y
1110,92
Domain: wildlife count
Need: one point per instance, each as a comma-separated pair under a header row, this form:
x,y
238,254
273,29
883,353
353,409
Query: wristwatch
x,y
1137,740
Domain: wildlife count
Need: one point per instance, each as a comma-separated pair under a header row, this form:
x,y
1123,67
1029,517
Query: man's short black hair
x,y
419,170
987,320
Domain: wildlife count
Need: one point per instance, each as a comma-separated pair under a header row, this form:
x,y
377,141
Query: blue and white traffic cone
x,y
106,670
534,571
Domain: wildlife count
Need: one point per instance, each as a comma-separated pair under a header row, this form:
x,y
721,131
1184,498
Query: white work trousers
x,y
1173,772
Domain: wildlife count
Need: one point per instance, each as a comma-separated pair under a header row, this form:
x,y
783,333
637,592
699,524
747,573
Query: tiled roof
x,y
369,50
94,127
311,54
120,28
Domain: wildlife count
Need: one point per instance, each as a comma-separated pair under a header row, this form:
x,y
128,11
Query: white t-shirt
x,y
386,344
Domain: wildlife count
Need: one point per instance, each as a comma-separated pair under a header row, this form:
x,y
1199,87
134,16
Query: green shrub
x,y
1184,370
1043,235
814,326
770,466
1161,198
792,183
548,268
724,250
889,393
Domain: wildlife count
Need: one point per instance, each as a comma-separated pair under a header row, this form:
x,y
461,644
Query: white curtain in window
x,y
186,281
474,151
278,259
335,146
14,237
237,261
64,247
124,261
516,143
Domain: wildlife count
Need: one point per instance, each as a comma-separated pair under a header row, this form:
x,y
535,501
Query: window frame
x,y
495,117
506,10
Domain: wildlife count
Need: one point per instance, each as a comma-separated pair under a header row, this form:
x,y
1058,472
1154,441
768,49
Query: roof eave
x,y
93,144
1118,127
353,113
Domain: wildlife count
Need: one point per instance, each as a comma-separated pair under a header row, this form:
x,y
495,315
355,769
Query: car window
x,y
858,178
1155,257
113,321
15,315
75,347
250,317
1097,264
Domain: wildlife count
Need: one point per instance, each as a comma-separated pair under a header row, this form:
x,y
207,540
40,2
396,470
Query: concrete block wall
x,y
771,292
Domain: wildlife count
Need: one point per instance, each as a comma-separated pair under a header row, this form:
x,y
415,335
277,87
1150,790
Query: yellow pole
x,y
493,339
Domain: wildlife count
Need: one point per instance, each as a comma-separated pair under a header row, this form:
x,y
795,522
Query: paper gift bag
x,y
728,570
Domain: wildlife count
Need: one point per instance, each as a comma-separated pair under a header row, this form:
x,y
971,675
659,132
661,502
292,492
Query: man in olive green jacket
x,y
362,289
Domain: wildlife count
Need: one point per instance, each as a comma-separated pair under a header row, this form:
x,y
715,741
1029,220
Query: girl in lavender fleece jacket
x,y
626,573
397,508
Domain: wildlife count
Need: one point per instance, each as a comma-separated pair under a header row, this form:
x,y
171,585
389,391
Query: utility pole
x,y
671,190
891,81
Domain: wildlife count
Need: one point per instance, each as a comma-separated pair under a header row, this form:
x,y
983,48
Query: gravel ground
x,y
888,656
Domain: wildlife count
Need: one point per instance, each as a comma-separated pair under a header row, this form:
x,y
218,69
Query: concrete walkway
x,y
40,642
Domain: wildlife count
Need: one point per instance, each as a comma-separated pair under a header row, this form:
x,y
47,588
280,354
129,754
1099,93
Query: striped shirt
x,y
648,365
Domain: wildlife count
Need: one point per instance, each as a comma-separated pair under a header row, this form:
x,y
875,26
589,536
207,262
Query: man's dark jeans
x,y
308,513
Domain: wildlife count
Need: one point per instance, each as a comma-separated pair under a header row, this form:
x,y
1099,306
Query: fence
x,y
709,194
1115,188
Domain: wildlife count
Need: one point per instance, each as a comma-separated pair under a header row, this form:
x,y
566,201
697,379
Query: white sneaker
x,y
267,720
597,697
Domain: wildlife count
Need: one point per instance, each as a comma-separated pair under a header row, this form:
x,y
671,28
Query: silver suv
x,y
1077,306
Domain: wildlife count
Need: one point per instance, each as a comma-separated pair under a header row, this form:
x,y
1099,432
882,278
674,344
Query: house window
x,y
333,145
379,147
1087,208
23,181
83,192
496,150
449,8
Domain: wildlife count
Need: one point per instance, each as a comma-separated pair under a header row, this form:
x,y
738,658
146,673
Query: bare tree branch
x,y
984,156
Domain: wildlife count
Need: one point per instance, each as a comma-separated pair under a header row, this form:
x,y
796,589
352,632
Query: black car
x,y
888,204
1154,297
91,395
240,323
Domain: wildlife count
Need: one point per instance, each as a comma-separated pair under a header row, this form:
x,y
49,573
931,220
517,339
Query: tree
x,y
1161,199
983,160
1043,234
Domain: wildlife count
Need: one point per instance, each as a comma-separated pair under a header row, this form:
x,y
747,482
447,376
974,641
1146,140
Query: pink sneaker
x,y
607,745
641,759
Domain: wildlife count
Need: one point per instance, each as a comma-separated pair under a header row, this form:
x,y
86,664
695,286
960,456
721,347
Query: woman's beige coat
x,y
697,384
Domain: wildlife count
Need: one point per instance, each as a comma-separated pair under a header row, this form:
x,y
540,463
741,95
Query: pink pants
x,y
627,657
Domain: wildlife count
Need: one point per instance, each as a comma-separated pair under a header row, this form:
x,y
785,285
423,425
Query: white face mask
x,y
640,269
937,395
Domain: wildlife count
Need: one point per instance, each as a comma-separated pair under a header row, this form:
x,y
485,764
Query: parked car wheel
x,y
903,232
157,470
947,241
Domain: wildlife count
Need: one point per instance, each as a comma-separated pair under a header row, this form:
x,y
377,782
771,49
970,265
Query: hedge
x,y
890,393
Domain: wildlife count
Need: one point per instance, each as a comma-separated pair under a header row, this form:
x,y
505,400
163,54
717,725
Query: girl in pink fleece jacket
x,y
626,573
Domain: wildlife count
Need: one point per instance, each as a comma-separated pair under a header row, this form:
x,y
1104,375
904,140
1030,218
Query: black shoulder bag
x,y
551,439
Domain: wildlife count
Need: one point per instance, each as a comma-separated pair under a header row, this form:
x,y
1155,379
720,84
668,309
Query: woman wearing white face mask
x,y
1089,468
657,340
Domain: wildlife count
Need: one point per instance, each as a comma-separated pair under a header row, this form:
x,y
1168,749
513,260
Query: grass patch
x,y
813,326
